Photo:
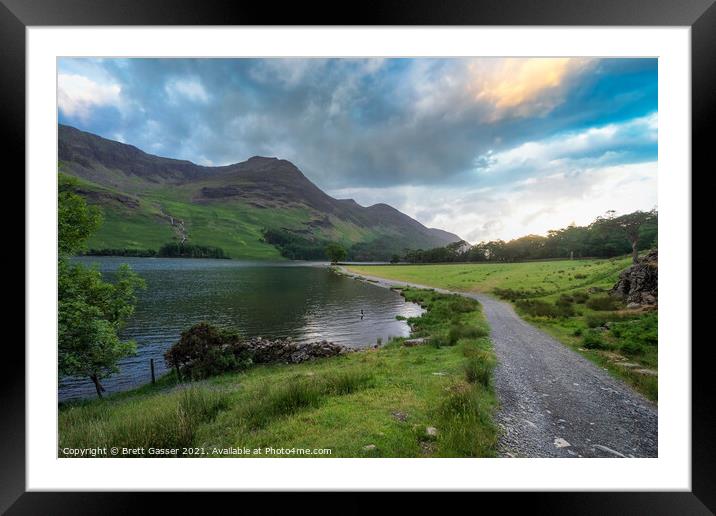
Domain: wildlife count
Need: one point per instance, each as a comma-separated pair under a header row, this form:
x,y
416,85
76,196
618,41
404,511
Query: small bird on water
x,y
361,314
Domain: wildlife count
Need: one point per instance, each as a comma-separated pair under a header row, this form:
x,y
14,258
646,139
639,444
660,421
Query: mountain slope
x,y
148,201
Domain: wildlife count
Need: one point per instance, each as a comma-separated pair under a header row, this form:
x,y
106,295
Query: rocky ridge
x,y
638,284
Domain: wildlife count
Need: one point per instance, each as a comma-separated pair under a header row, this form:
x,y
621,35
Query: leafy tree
x,y
76,221
629,225
395,258
91,312
336,252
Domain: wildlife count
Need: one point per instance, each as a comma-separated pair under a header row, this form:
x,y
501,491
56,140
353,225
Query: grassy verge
x,y
402,400
566,299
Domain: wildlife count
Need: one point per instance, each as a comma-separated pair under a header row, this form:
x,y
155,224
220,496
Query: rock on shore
x,y
287,351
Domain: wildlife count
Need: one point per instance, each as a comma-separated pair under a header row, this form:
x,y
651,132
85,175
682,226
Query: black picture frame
x,y
17,15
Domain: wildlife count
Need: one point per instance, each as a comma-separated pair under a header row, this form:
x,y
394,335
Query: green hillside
x,y
148,201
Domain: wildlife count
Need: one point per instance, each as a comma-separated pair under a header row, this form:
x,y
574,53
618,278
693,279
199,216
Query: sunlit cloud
x,y
524,86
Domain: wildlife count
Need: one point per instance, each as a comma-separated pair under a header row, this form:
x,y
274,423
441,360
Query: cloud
x,y
631,141
77,95
532,207
186,89
383,127
523,86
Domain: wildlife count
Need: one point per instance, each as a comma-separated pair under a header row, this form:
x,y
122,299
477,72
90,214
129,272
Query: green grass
x,y
566,298
386,397
235,227
551,276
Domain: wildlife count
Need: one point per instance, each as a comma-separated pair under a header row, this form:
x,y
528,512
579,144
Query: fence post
x,y
151,366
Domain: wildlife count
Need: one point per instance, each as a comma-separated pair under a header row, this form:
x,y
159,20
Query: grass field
x,y
566,298
236,227
373,403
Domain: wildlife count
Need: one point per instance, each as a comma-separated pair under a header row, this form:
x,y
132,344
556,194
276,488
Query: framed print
x,y
416,253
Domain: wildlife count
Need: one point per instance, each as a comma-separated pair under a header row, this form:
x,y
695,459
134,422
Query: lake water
x,y
306,302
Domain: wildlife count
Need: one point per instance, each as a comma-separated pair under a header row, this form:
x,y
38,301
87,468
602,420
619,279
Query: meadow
x,y
403,399
566,298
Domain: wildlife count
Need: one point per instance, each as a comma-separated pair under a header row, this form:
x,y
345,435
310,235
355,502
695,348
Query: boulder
x,y
638,284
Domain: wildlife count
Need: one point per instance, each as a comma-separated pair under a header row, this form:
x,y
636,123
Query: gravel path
x,y
553,401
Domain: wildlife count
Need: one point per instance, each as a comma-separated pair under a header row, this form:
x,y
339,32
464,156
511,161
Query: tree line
x,y
605,237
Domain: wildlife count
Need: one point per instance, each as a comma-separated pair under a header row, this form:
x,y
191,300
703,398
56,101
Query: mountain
x,y
261,208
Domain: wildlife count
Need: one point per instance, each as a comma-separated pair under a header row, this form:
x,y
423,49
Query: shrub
x,y
537,308
596,320
577,332
478,368
204,350
564,306
593,340
603,303
465,422
631,348
462,305
462,331
565,299
638,334
580,276
580,297
515,294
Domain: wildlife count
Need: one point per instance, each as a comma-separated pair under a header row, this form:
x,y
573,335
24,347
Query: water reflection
x,y
305,302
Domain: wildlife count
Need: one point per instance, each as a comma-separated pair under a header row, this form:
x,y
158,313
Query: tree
x,y
395,258
91,311
629,225
336,252
76,221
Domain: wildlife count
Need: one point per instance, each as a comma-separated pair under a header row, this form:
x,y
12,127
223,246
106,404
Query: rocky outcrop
x,y
286,350
638,284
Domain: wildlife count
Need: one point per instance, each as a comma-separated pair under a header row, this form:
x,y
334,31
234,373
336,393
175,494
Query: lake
x,y
304,301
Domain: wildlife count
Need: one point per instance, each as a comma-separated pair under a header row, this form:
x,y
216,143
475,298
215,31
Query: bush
x,y
603,303
564,306
514,294
631,348
580,297
478,368
462,305
593,340
462,331
204,350
565,299
637,335
537,308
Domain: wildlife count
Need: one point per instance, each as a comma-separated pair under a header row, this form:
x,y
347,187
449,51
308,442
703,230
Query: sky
x,y
486,148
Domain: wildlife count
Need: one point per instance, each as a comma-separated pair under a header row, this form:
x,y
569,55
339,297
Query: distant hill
x,y
261,208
